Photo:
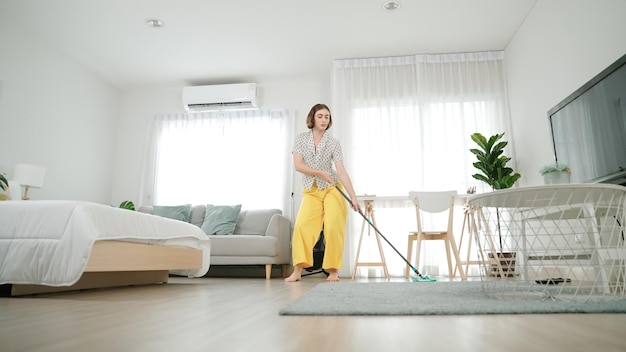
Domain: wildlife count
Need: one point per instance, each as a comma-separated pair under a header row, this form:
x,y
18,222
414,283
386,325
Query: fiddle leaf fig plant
x,y
492,162
492,165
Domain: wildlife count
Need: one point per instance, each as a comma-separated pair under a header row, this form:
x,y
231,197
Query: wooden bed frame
x,y
117,263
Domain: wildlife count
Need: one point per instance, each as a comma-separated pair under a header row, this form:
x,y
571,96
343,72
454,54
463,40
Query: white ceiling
x,y
210,41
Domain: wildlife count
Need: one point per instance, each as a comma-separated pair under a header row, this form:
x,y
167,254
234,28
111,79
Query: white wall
x,y
57,114
561,45
90,136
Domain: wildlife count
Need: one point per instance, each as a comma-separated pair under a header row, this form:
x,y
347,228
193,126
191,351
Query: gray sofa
x,y
261,237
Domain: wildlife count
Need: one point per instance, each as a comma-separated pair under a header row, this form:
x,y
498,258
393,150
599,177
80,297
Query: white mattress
x,y
49,242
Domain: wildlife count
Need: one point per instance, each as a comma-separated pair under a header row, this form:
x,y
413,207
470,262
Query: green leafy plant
x,y
555,167
4,183
127,204
492,162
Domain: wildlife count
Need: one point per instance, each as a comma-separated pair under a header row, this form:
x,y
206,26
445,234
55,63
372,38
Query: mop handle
x,y
381,235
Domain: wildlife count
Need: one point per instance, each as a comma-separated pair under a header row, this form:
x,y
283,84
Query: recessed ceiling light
x,y
154,22
391,6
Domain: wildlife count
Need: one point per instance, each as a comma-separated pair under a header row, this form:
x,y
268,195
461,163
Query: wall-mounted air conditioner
x,y
220,97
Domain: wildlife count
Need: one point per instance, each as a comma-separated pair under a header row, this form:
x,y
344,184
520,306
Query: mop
x,y
420,277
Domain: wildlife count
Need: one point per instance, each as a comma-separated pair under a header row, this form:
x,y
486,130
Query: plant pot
x,y
4,197
507,262
556,177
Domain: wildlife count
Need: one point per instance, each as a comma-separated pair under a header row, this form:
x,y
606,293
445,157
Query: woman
x,y
314,153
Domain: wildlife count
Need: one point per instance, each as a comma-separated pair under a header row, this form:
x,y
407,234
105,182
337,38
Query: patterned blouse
x,y
327,153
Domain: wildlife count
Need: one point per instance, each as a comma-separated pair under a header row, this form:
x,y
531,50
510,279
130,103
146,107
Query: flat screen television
x,y
589,128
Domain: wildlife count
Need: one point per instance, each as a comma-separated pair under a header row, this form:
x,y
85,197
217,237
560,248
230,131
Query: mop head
x,y
422,278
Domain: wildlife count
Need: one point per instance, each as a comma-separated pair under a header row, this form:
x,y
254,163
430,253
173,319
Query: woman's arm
x,y
300,165
347,183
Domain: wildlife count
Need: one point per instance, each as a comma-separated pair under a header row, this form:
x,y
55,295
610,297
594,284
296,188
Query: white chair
x,y
433,203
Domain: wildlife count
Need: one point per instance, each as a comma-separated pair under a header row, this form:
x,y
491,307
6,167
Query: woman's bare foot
x,y
296,275
333,276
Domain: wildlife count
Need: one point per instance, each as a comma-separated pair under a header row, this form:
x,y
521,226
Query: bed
x,y
52,246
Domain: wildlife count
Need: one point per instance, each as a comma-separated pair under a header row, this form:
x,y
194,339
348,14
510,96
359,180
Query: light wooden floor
x,y
241,314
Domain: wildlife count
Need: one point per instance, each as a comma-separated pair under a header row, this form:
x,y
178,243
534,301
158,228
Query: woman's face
x,y
322,118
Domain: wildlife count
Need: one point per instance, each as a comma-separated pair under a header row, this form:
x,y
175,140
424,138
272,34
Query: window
x,y
410,148
407,123
229,157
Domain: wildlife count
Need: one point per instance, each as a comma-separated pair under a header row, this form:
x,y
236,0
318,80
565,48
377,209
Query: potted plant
x,y
127,204
492,164
4,184
555,173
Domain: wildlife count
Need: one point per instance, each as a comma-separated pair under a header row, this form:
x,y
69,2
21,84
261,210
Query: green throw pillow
x,y
220,219
176,212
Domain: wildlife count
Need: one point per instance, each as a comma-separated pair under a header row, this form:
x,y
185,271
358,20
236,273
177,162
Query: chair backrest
x,y
433,202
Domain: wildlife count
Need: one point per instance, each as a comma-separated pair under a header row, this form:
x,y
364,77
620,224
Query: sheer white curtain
x,y
220,158
405,124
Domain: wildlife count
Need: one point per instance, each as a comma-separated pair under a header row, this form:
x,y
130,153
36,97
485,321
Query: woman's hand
x,y
328,177
355,205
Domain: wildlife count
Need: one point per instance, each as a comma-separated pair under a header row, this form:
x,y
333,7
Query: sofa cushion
x,y
244,246
197,215
176,212
220,219
254,222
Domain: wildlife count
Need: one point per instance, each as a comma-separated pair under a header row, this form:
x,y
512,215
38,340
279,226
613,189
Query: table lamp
x,y
29,176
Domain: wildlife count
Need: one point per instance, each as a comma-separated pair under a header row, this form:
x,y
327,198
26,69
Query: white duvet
x,y
49,242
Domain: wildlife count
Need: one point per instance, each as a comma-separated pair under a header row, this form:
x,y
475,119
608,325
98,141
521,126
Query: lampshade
x,y
29,175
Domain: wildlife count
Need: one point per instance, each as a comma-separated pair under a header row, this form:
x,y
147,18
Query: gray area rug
x,y
424,298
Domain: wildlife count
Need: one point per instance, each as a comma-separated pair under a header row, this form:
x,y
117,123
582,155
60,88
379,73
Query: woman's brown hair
x,y
310,119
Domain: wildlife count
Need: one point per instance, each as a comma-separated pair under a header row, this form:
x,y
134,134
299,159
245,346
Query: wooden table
x,y
368,206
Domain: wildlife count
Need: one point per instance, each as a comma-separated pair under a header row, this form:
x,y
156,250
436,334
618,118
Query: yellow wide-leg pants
x,y
326,208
